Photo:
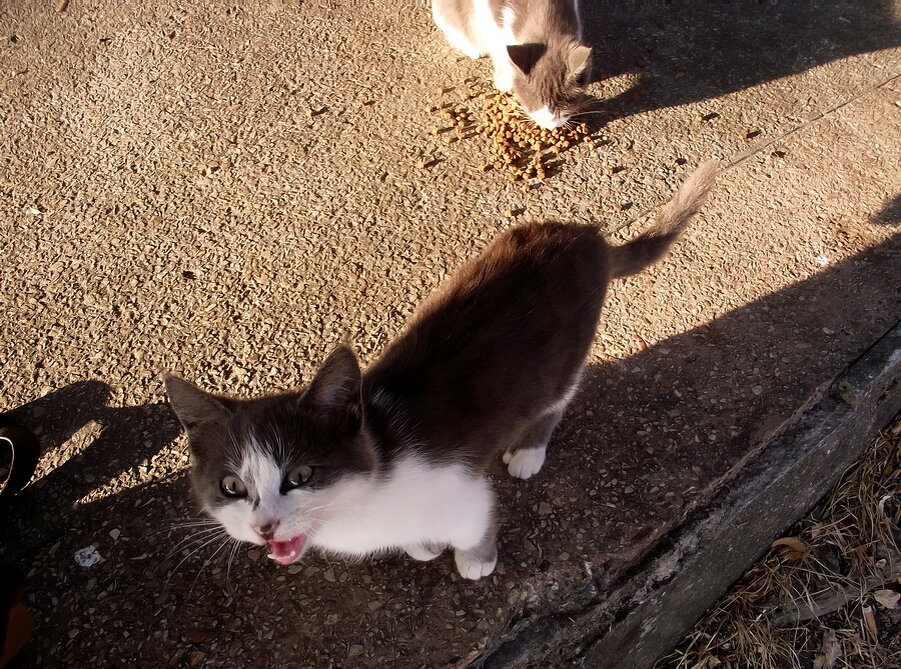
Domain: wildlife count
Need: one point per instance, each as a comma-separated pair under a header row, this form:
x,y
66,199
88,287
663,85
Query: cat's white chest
x,y
417,502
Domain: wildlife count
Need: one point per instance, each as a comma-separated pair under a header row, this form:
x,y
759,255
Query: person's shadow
x,y
115,441
685,52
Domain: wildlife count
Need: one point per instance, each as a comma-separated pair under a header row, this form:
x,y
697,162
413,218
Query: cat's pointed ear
x,y
524,56
194,407
336,393
578,60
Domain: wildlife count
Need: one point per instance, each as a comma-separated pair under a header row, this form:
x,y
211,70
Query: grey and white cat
x,y
395,458
535,46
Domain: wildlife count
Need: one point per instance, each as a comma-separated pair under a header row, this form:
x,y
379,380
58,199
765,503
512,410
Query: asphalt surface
x,y
226,190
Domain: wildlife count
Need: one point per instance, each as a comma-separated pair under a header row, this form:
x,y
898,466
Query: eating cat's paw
x,y
472,566
422,552
503,81
524,463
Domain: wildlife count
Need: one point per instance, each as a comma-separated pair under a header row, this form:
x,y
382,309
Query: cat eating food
x,y
535,47
394,458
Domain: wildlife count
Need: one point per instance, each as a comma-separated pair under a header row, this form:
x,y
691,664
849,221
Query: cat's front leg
x,y
479,560
503,73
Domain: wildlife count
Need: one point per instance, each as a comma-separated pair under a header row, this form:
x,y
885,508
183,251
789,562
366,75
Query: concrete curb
x,y
649,608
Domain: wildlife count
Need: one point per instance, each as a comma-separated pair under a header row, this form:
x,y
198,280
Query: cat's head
x,y
549,79
273,470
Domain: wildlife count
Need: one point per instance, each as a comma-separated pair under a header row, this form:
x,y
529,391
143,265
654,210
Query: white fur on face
x,y
264,502
545,118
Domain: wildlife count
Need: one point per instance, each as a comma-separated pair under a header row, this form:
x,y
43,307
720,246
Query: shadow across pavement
x,y
648,439
691,51
121,438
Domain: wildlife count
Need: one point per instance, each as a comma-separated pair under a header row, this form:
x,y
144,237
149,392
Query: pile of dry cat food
x,y
518,146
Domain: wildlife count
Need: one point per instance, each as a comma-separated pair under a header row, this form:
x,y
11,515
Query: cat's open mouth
x,y
286,552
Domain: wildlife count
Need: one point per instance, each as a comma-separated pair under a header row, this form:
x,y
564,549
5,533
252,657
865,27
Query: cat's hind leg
x,y
424,552
480,560
526,458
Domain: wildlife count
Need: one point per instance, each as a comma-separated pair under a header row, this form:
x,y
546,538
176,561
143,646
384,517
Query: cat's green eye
x,y
232,486
298,476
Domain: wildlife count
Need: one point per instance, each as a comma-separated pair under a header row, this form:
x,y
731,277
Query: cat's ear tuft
x,y
335,394
579,59
194,407
524,56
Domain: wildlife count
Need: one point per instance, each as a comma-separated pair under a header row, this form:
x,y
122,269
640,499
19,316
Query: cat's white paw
x,y
503,71
525,462
503,81
472,567
470,50
421,552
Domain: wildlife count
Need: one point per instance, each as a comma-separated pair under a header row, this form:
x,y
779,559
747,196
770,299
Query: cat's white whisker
x,y
193,538
590,112
191,523
224,543
235,545
193,552
328,506
182,521
187,525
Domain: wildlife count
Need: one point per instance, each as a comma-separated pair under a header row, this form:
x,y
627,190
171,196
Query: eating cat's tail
x,y
651,245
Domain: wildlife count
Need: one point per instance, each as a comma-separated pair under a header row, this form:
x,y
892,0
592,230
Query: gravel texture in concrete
x,y
227,189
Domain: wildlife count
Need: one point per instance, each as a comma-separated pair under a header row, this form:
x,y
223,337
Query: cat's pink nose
x,y
267,529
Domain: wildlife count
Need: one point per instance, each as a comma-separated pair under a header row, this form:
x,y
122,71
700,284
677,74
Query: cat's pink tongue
x,y
286,552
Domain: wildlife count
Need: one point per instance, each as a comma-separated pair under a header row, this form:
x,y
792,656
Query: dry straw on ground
x,y
825,597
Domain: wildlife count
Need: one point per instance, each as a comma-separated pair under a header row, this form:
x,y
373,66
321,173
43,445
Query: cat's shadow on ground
x,y
119,439
684,52
648,437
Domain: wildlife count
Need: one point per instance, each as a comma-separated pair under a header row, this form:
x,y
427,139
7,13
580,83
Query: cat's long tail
x,y
651,245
